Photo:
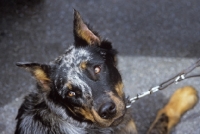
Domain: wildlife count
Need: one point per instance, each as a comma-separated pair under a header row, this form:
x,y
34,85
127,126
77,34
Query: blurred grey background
x,y
155,39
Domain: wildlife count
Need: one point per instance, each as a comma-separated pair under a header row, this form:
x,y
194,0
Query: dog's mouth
x,y
109,113
115,120
93,116
104,114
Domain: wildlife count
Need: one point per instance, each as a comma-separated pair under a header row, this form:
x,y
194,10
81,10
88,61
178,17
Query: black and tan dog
x,y
81,92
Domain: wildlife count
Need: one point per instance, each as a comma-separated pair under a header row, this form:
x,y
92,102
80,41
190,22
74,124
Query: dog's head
x,y
84,80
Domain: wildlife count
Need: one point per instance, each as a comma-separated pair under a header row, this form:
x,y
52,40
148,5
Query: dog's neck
x,y
77,127
60,113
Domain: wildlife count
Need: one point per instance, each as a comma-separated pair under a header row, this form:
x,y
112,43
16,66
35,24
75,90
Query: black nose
x,y
107,110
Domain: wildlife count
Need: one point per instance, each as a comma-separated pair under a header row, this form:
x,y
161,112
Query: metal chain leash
x,y
177,78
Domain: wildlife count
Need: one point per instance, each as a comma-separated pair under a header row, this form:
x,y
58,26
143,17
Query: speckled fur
x,y
53,109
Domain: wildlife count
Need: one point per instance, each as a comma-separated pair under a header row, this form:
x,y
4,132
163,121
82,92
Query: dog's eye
x,y
97,69
71,93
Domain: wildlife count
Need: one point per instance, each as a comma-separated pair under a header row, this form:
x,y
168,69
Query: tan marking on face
x,y
69,86
100,121
120,108
119,88
83,65
86,113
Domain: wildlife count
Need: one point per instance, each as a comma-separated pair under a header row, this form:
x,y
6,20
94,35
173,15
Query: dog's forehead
x,y
69,70
75,56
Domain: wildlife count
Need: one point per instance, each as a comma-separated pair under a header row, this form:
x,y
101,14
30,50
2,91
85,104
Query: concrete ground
x,y
155,39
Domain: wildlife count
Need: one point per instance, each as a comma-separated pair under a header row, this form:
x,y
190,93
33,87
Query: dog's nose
x,y
107,110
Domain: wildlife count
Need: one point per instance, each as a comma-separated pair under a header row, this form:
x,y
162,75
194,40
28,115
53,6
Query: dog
x,y
81,92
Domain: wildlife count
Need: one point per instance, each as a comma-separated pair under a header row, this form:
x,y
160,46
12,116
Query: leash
x,y
177,78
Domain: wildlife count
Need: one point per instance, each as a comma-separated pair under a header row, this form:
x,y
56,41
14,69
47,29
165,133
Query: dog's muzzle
x,y
107,110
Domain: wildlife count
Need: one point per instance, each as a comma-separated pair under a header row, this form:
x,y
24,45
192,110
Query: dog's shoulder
x,y
35,113
31,113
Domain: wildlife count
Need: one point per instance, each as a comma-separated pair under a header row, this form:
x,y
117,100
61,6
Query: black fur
x,y
70,95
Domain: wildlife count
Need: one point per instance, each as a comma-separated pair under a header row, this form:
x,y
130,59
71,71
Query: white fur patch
x,y
71,62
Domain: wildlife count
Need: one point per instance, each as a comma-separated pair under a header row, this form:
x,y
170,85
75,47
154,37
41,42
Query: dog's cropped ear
x,y
82,34
40,72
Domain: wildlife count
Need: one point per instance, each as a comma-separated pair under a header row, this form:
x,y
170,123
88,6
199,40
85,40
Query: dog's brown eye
x,y
97,69
71,94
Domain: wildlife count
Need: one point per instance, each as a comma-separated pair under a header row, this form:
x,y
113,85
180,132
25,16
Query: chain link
x,y
177,78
